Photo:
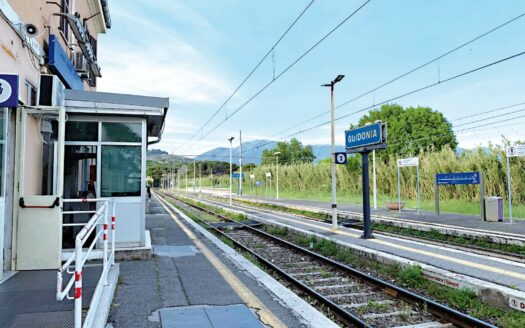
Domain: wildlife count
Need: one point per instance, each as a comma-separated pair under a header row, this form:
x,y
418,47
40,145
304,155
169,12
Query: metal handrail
x,y
80,256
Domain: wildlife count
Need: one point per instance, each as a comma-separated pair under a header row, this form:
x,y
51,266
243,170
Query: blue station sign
x,y
364,136
237,175
61,65
460,178
8,90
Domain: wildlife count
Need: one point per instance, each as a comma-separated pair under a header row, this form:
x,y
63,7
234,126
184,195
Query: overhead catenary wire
x,y
413,70
400,96
285,70
270,51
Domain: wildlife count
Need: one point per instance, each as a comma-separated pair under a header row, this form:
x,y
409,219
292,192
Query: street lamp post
x,y
332,149
276,154
231,168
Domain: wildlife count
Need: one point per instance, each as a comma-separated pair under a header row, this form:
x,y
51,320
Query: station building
x,y
61,139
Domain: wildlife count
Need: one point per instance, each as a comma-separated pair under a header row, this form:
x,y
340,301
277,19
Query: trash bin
x,y
494,209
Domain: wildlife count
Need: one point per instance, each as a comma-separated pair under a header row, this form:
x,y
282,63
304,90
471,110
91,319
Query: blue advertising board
x,y
237,175
459,178
364,136
8,90
60,64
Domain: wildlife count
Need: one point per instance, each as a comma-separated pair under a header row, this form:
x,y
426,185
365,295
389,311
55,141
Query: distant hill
x,y
161,155
252,152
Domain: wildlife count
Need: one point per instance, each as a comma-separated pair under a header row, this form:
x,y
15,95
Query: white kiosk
x,y
94,146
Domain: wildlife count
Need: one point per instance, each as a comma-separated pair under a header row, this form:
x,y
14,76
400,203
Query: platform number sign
x,y
340,158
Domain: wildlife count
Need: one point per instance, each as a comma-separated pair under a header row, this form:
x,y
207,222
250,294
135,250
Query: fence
x,y
100,220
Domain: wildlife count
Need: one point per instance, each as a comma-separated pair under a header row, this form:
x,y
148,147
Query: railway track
x,y
519,258
356,298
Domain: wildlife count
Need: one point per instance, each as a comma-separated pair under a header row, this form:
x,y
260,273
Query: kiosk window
x,y
121,171
81,131
121,132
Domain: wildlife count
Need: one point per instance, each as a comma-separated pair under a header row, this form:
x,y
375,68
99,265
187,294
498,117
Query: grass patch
x,y
278,231
458,240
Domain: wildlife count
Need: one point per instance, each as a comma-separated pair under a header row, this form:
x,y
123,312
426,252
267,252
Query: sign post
x,y
363,140
407,162
461,178
512,151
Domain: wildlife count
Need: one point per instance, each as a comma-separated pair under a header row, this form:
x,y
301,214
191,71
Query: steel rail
x,y
519,258
444,312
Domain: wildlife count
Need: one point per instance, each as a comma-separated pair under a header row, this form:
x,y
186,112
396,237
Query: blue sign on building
x,y
237,175
60,65
8,90
364,136
459,178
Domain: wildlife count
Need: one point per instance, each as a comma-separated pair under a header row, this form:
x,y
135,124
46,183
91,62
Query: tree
x,y
412,130
290,152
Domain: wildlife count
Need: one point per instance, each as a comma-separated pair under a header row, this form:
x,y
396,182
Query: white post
x,y
194,172
374,178
178,179
277,178
200,180
332,151
240,162
113,230
398,189
418,192
105,269
508,188
231,171
78,283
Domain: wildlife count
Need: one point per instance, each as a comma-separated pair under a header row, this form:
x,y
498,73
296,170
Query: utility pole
x,y
211,178
240,162
332,149
200,179
178,179
194,171
231,168
186,173
277,175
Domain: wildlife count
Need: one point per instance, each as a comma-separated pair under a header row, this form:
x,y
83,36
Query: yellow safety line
x,y
251,300
517,275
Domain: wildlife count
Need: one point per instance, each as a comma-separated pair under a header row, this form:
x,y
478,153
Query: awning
x,y
154,109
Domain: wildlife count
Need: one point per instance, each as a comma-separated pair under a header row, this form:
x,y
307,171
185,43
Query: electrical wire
x,y
403,95
415,69
253,70
286,69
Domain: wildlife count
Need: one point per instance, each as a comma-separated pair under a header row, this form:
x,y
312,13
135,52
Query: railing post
x,y
113,227
78,282
105,269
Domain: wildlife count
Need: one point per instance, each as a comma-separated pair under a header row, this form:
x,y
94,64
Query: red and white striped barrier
x,y
99,219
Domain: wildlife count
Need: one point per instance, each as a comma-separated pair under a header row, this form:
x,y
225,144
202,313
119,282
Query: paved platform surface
x,y
28,299
502,272
452,219
178,277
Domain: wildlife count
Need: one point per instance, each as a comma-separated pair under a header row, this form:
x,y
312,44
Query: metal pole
x,y
78,283
509,189
482,195
211,180
231,171
200,179
418,192
178,179
436,196
194,171
398,189
374,177
277,178
367,224
332,151
186,173
240,162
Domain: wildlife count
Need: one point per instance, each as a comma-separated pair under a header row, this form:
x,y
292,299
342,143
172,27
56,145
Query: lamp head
x,y
339,78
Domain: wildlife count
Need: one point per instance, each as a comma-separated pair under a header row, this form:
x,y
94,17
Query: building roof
x,y
154,109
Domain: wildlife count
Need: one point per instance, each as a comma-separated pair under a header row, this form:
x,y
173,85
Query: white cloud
x,y
157,62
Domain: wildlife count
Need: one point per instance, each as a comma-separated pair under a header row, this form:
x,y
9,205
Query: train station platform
x,y
192,282
425,217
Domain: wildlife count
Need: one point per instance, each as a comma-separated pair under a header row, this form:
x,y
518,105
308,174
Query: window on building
x,y
64,9
121,132
81,131
31,94
121,171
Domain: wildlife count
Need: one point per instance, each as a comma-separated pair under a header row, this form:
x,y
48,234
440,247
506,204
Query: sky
x,y
197,52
